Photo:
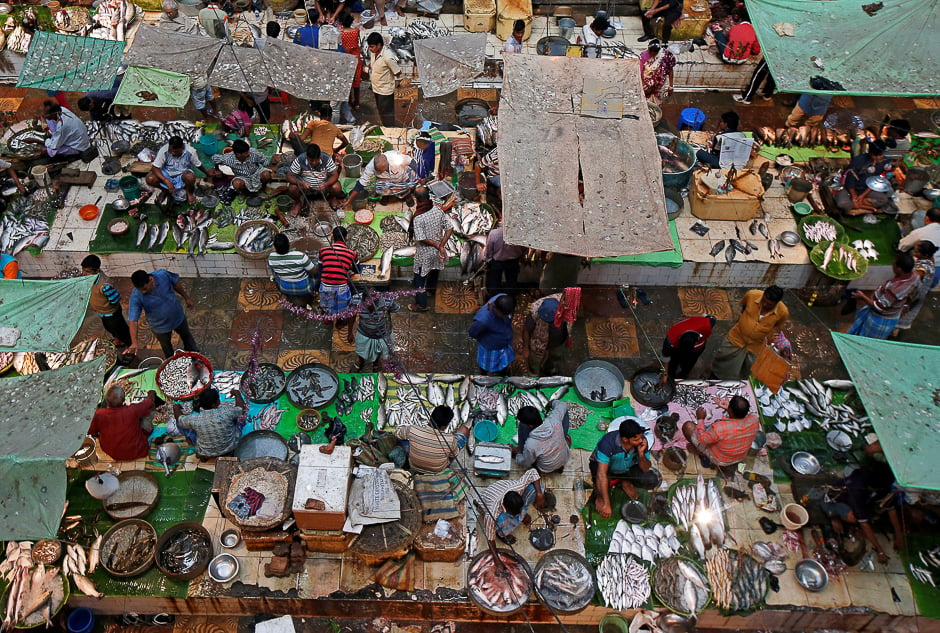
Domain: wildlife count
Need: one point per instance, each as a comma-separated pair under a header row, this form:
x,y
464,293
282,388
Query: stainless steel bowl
x,y
230,538
121,204
811,575
930,193
839,440
223,568
789,238
805,463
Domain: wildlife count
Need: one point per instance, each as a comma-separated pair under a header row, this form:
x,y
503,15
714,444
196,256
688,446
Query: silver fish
x,y
762,229
152,234
141,232
554,381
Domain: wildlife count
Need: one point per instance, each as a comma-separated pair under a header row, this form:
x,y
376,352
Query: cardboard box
x,y
323,477
479,16
740,204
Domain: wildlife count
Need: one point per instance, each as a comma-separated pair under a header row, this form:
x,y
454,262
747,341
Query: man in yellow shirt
x,y
383,70
322,133
762,317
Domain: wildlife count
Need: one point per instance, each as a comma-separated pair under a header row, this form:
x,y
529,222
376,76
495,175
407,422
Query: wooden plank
x,y
84,178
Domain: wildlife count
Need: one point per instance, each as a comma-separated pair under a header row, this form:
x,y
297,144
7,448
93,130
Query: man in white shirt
x,y
68,136
930,232
514,43
592,39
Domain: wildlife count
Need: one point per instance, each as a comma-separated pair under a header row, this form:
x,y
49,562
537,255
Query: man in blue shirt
x,y
309,35
492,330
622,456
154,294
809,110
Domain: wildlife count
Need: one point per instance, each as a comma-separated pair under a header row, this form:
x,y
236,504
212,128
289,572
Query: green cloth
x,y
926,597
61,303
70,63
183,497
171,89
885,235
898,384
671,258
887,54
801,154
43,421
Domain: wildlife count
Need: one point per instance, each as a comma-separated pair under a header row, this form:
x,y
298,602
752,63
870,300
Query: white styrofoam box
x,y
323,477
283,624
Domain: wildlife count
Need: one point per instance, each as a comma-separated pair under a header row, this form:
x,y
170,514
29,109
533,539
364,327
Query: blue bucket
x,y
81,620
209,144
485,431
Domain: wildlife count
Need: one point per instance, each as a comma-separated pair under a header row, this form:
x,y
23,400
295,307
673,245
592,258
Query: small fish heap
x,y
798,405
20,232
623,581
565,583
738,581
499,588
256,239
842,255
865,248
182,375
699,510
930,560
804,136
681,586
659,541
819,231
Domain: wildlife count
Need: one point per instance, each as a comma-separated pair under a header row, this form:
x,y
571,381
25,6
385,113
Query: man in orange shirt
x,y
762,317
726,441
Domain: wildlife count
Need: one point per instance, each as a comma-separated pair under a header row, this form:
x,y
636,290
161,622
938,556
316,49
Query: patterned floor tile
x,y
259,294
268,323
237,359
407,340
300,333
215,294
342,361
699,301
291,359
611,337
455,298
340,341
211,327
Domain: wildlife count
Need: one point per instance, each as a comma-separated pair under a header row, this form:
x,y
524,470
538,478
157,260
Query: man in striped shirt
x,y
430,448
313,174
106,301
292,271
337,263
726,441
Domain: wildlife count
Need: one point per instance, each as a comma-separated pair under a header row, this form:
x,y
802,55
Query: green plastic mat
x,y
926,597
801,154
671,258
885,235
183,497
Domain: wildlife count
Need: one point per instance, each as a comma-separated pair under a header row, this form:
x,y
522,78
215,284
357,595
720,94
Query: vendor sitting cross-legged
x,y
248,167
313,175
622,455
173,167
392,173
430,447
726,441
215,428
506,503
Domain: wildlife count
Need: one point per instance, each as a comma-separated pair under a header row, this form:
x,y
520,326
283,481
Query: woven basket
x,y
244,227
136,486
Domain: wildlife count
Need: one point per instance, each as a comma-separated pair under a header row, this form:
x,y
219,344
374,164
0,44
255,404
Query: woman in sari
x,y
656,64
923,269
349,40
883,308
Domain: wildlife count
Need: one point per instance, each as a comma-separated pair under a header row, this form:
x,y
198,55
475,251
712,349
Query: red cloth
x,y
567,311
349,39
700,325
742,42
119,430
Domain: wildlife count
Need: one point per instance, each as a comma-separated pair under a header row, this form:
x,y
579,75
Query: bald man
x,y
391,174
124,430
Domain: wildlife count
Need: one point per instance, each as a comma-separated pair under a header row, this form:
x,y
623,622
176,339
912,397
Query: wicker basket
x,y
244,227
136,496
115,539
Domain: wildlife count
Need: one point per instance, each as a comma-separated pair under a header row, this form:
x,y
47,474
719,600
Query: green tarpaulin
x,y
154,88
900,387
69,62
894,52
43,421
61,303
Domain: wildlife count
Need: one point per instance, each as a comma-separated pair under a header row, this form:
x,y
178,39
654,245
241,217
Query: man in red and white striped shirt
x,y
337,263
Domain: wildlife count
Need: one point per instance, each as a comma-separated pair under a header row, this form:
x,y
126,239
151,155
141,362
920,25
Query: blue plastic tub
x,y
485,431
81,620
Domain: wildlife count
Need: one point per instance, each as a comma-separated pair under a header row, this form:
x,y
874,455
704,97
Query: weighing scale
x,y
485,462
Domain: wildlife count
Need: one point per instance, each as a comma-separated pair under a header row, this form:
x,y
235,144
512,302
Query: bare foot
x,y
629,489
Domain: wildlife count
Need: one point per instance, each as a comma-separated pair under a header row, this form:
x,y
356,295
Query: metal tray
x,y
312,386
274,380
646,389
598,383
264,443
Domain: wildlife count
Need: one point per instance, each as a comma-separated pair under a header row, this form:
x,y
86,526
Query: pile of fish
x,y
17,233
256,239
193,227
472,219
623,581
923,575
930,560
182,375
153,233
499,587
421,30
27,362
353,390
797,405
565,583
865,248
819,231
131,131
803,136
681,586
699,510
472,256
843,256
659,541
738,581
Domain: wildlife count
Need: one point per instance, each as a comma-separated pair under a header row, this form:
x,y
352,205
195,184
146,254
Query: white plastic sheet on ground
x,y
446,63
544,141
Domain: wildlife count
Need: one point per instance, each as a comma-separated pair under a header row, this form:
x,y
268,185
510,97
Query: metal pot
x,y
121,204
119,148
167,455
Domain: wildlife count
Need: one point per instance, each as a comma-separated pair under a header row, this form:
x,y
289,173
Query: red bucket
x,y
175,359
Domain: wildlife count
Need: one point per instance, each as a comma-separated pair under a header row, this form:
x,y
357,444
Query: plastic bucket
x,y
284,203
209,144
799,189
81,620
130,187
613,623
40,174
352,165
567,26
485,431
794,516
680,179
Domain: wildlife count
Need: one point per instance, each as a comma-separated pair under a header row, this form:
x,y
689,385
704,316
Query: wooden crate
x,y
490,95
265,541
326,541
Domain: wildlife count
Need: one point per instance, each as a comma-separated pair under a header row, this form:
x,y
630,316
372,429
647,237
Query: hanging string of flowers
x,y
349,313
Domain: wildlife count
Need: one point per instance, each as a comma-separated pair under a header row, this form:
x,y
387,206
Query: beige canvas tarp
x,y
309,73
189,55
446,63
543,141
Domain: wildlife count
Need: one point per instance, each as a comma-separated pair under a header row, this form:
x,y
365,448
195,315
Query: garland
x,y
343,315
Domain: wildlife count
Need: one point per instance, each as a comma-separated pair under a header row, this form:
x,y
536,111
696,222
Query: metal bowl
x,y
811,575
930,193
783,160
223,568
121,204
633,512
839,440
598,383
120,148
805,463
789,238
878,183
230,538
